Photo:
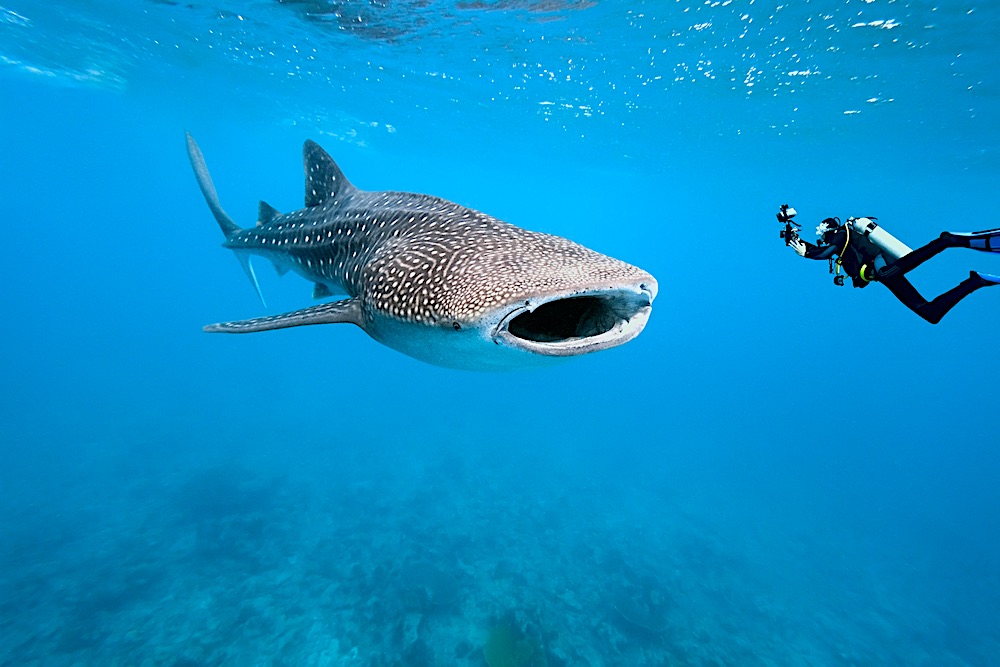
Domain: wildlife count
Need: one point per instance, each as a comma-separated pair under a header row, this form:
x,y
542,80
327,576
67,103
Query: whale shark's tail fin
x,y
226,223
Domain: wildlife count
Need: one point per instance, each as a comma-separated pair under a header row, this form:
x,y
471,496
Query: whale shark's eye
x,y
456,326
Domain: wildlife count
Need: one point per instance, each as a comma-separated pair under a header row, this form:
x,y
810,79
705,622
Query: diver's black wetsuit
x,y
859,265
851,257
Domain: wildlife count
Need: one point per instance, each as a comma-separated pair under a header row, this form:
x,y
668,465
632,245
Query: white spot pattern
x,y
422,258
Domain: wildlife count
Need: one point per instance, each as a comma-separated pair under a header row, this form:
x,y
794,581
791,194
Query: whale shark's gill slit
x,y
563,319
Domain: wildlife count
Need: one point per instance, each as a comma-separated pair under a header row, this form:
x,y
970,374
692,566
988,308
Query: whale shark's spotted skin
x,y
436,280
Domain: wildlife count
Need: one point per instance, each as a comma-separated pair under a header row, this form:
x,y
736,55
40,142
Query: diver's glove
x,y
798,246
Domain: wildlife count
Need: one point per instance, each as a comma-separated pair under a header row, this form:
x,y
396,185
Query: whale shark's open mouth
x,y
578,323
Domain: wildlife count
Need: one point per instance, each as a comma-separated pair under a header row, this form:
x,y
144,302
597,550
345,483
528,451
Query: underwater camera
x,y
791,230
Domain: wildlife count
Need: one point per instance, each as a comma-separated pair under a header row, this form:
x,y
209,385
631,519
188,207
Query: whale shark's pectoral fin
x,y
336,312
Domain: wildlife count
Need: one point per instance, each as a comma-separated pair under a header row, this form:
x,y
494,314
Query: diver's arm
x,y
810,251
819,251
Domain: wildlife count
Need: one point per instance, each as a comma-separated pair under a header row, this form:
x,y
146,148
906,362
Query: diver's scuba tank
x,y
866,232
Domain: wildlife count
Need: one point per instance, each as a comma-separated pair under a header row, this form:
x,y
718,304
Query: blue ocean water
x,y
777,471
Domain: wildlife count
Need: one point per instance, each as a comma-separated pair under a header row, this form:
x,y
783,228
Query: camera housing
x,y
786,213
791,231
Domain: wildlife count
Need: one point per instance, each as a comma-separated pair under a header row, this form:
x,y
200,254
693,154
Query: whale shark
x,y
435,280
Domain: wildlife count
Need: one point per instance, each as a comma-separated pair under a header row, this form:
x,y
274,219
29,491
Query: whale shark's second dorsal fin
x,y
266,213
324,179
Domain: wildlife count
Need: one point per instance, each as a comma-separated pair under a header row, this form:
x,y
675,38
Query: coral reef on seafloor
x,y
509,646
231,565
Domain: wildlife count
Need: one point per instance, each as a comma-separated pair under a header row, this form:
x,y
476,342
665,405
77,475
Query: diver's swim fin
x,y
987,240
987,278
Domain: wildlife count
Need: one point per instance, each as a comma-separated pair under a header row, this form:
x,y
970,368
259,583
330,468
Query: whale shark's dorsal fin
x,y
266,213
324,179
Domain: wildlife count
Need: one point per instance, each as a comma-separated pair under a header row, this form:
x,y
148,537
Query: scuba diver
x,y
869,254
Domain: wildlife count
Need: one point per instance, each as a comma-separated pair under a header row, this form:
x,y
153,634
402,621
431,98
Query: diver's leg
x,y
933,311
906,293
915,258
988,240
